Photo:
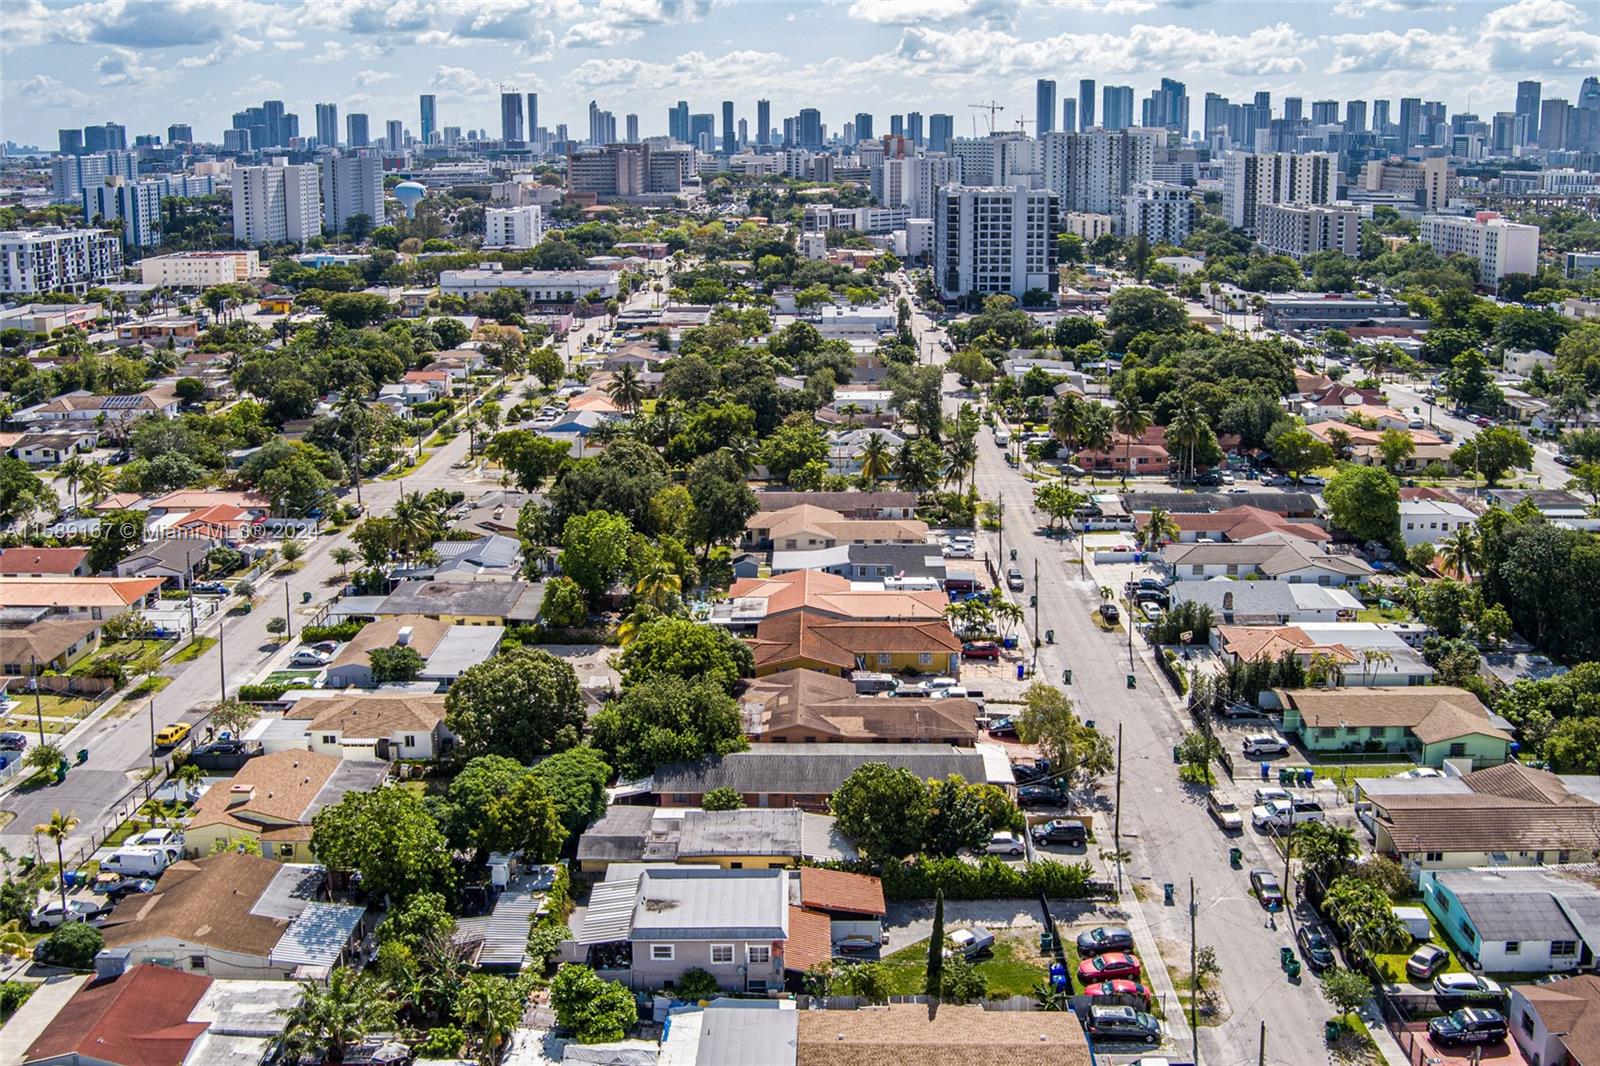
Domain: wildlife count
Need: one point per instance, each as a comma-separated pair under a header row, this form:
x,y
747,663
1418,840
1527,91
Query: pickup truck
x,y
1277,814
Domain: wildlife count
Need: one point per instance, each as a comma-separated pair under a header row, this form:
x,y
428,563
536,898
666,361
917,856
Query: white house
x,y
1424,521
1523,362
1274,556
377,725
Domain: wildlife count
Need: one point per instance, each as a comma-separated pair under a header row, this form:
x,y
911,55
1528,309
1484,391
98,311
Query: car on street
x,y
172,735
10,741
1118,987
310,657
50,915
1224,811
1315,946
969,942
1467,987
1312,481
1468,1025
1265,744
1269,893
1278,481
1426,961
980,649
1014,580
1068,831
1564,459
1111,964
1122,1023
1109,614
1104,938
1039,796
1006,844
1416,423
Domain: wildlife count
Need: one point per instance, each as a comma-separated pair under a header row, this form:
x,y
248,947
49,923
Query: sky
x,y
148,63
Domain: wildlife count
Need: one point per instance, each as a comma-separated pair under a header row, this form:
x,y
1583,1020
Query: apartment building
x,y
513,227
200,270
995,239
1162,213
352,185
274,204
1093,171
1499,246
1251,180
57,260
1299,230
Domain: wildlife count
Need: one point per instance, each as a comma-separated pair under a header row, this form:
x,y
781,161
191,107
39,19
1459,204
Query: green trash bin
x,y
1176,758
1285,777
1332,1030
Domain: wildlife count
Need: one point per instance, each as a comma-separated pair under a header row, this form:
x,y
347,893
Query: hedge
x,y
990,878
341,631
265,693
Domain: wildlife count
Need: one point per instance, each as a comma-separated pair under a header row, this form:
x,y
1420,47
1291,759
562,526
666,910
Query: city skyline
x,y
198,61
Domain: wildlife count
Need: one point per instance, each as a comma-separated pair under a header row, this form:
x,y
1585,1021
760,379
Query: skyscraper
x,y
356,133
276,204
763,122
394,138
633,129
809,127
678,122
1044,106
430,117
180,133
914,127
352,185
1355,116
1086,106
511,119
70,141
1528,93
1168,107
941,129
1380,117
729,138
1410,121
1323,112
1293,109
327,125
1069,115
897,126
863,126
1117,112
1214,114
533,114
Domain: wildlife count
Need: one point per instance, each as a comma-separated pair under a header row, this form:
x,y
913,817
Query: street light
x,y
38,706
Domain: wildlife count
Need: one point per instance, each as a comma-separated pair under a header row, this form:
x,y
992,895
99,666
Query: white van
x,y
141,861
1002,437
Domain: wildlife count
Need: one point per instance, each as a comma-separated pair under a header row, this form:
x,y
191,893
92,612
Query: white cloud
x,y
142,24
363,78
1537,35
608,23
229,49
1356,9
462,82
1274,49
1384,50
920,12
121,66
43,91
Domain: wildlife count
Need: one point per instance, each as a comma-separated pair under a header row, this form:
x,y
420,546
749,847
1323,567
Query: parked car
x,y
1118,987
310,657
1467,987
172,735
1006,844
1122,1023
1269,893
1426,961
937,683
1272,794
141,862
1151,611
1265,744
969,942
210,588
958,551
1224,811
1312,481
1469,1025
1282,815
1014,580
10,741
1003,727
1068,831
115,886
1039,796
1104,938
1278,481
156,838
1236,709
50,915
1111,964
1109,614
980,649
1315,946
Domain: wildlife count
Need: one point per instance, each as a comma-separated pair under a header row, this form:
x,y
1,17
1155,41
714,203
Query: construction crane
x,y
1022,125
993,107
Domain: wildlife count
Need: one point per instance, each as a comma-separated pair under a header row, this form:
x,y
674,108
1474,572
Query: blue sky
x,y
150,62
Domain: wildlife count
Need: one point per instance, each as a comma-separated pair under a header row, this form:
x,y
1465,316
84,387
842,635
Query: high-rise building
x,y
513,227
1528,93
1094,171
1251,181
703,131
999,159
1214,114
897,126
863,126
394,135
1589,94
1044,106
70,141
137,204
327,125
941,131
629,170
236,140
744,132
71,174
1355,116
356,133
678,123
1430,183
1116,112
911,181
633,129
352,185
511,119
57,260
1167,107
995,239
1299,230
914,127
180,133
1553,124
533,114
809,127
1158,211
276,204
1069,115
1323,112
730,142
1086,107
430,117
1380,117
1507,132
1293,109
1410,121
1499,246
763,123
107,138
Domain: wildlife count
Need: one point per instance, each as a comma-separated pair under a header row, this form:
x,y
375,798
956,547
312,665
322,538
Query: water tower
x,y
410,194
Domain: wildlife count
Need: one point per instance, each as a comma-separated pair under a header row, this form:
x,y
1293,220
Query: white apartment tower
x,y
999,159
274,204
1499,246
1299,230
57,260
994,239
910,181
1161,212
513,227
1093,171
352,185
1251,181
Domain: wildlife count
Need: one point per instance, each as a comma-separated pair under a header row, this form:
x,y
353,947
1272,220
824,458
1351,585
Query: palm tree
x,y
328,1019
851,412
1374,360
415,523
1460,551
352,411
1094,429
1131,418
625,390
59,828
472,421
1008,614
1189,427
1066,419
97,481
744,450
189,775
492,1006
658,585
960,456
1159,527
71,471
875,464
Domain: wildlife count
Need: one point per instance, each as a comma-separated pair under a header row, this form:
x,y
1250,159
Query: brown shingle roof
x,y
45,639
831,594
1433,713
363,715
830,706
1570,1009
426,633
203,902
836,890
280,787
806,635
905,1035
1510,807
1268,643
138,1019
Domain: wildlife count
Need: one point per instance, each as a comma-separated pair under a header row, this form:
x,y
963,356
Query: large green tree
x,y
678,647
522,703
594,551
21,491
883,810
668,720
1493,452
598,1010
389,837
1365,502
576,781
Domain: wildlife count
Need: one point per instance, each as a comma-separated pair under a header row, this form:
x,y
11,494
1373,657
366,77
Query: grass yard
x,y
27,723
1396,613
289,676
1394,966
134,656
148,687
1013,968
194,649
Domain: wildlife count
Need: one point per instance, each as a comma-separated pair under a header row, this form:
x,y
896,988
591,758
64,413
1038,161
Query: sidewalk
x,y
33,1016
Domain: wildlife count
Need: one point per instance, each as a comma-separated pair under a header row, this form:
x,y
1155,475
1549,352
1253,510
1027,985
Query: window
x,y
1433,856
409,741
661,952
756,986
925,659
1527,1022
883,660
755,953
329,738
1326,732
722,954
1513,947
1458,749
286,850
1563,949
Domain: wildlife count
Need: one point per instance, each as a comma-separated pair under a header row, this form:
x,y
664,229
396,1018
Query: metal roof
x,y
505,940
685,903
610,913
319,935
731,1036
292,889
818,769
461,647
1525,904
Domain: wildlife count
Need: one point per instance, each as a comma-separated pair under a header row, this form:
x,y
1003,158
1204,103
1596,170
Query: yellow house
x,y
51,643
277,305
271,801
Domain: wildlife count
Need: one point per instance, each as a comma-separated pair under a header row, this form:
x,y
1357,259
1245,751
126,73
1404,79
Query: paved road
x,y
1164,823
1408,399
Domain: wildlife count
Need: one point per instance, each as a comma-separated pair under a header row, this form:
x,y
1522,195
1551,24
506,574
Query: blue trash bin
x,y
1266,771
1022,672
1305,778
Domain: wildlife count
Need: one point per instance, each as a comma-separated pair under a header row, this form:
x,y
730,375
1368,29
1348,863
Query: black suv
x,y
1316,947
1066,831
1470,1025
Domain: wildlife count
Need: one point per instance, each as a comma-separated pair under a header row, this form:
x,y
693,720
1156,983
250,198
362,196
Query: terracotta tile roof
x,y
831,594
195,499
808,518
1432,712
1274,553
829,706
836,890
810,940
281,786
1570,1009
45,639
207,901
75,591
1242,523
41,560
371,715
907,1035
138,1019
1268,643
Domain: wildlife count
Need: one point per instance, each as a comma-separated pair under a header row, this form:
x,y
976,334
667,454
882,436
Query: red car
x,y
1106,967
980,649
1117,988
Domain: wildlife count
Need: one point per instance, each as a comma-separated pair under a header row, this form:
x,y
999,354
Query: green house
x,y
1427,723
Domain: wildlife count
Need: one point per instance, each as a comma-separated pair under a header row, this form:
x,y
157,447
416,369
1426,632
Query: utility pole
x,y
288,614
1288,850
38,704
1000,515
222,657
188,564
152,734
1261,1046
1036,616
1116,814
1194,979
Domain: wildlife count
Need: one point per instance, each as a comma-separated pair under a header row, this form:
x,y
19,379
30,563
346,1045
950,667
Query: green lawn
x,y
148,687
1394,966
194,649
1013,968
1396,613
289,676
135,656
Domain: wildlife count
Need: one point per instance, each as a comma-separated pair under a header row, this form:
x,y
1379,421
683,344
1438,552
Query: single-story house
x,y
272,800
44,642
54,446
1518,919
811,640
1237,524
97,598
374,725
169,559
1267,602
1364,653
1557,1023
492,557
1285,504
1556,505
1272,556
882,504
811,707
352,666
1432,723
141,1018
1431,521
746,839
807,527
953,1035
891,564
828,595
44,562
467,603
